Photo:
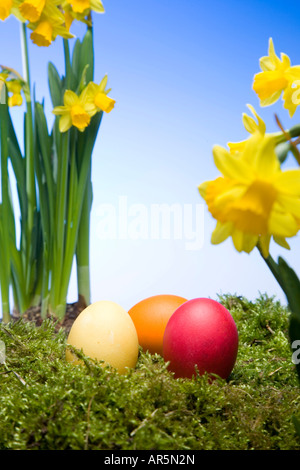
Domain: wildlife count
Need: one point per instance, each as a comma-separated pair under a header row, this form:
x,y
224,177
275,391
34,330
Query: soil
x,y
33,314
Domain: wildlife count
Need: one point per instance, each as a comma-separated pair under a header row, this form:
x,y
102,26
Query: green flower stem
x,y
4,215
295,131
58,273
273,268
46,201
25,55
30,190
67,63
60,228
83,248
20,297
292,133
29,166
69,254
75,216
83,240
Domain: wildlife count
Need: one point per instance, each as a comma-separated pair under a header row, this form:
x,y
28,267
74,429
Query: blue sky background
x,y
181,74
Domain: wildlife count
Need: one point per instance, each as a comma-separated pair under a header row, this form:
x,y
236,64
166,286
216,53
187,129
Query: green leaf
x,y
55,85
87,56
296,423
44,138
76,59
291,286
18,164
273,266
83,80
5,211
44,169
282,151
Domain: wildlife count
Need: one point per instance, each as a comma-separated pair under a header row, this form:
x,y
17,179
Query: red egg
x,y
201,332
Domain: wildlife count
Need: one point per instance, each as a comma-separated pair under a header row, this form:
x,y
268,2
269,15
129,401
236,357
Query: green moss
x,y
46,403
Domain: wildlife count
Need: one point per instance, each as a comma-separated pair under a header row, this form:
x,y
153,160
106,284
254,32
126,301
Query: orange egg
x,y
150,317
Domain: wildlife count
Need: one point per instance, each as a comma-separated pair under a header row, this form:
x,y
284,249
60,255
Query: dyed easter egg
x,y
150,317
104,331
201,332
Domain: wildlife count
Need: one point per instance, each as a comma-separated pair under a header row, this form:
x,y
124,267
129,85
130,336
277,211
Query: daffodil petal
x,y
271,99
266,162
264,244
227,165
202,188
97,6
282,224
289,204
59,110
65,123
103,83
236,147
249,242
250,122
282,242
221,232
70,98
288,181
291,97
244,241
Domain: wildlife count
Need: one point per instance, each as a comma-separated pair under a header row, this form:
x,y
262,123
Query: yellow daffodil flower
x,y
14,87
4,76
254,199
291,96
251,126
76,111
46,31
14,84
70,15
5,8
80,6
97,96
32,10
277,77
8,7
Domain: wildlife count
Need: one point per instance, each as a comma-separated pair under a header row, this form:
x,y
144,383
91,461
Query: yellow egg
x,y
106,332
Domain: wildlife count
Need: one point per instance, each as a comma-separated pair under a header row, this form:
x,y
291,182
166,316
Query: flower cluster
x,y
14,84
277,77
50,18
52,169
78,110
254,200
